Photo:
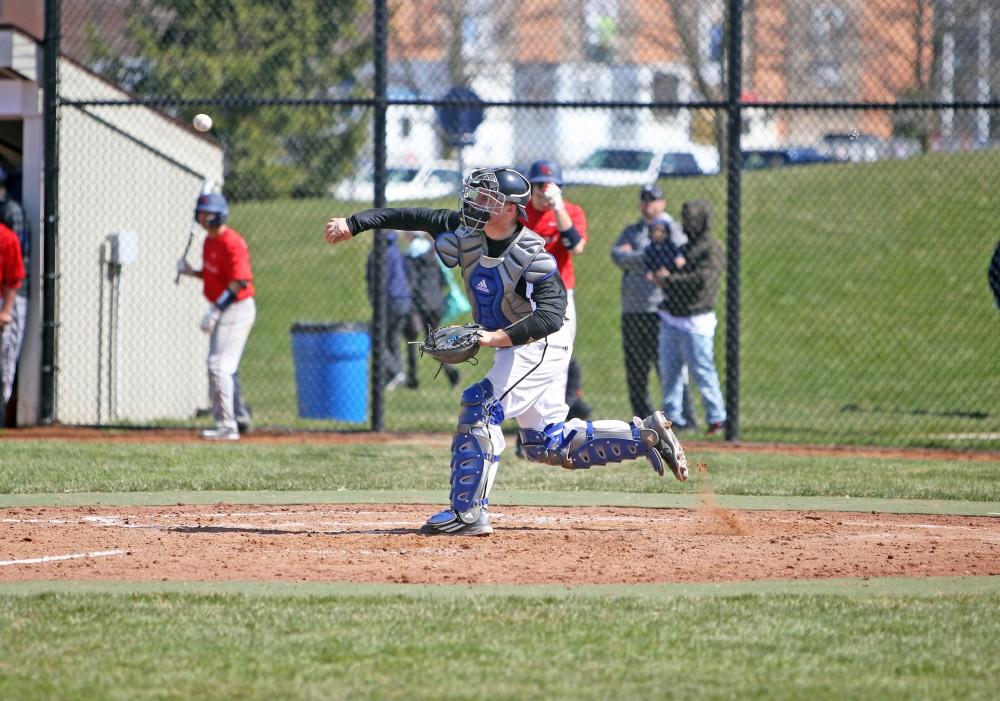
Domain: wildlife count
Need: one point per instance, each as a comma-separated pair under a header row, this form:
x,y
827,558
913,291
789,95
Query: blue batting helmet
x,y
213,203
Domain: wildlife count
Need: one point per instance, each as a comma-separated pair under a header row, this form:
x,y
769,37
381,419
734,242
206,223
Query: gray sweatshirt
x,y
639,295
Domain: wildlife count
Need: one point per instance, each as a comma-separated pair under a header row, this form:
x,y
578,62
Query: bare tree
x,y
686,17
474,35
927,18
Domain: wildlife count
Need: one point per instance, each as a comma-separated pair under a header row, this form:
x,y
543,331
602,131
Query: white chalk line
x,y
54,558
986,436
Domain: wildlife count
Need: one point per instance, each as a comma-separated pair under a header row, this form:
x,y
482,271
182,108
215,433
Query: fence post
x,y
380,311
734,161
50,208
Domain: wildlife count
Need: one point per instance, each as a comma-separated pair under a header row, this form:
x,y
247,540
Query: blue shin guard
x,y
475,451
611,442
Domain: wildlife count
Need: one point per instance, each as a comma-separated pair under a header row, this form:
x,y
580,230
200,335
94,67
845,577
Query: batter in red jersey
x,y
563,225
227,283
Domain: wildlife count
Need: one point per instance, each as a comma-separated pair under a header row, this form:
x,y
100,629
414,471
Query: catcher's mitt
x,y
452,344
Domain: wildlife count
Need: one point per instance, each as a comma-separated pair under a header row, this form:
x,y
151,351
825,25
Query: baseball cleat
x,y
221,433
244,422
447,522
668,446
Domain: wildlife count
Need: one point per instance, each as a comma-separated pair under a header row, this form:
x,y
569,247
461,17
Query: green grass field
x,y
170,645
866,317
880,638
58,467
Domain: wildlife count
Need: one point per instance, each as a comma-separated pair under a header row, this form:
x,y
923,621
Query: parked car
x,y
861,147
431,180
625,166
852,146
777,157
679,164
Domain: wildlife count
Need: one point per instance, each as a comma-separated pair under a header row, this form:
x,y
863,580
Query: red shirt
x,y
11,265
544,224
225,258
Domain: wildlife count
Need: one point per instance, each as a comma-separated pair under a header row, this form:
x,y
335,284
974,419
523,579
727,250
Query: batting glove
x,y
183,267
210,319
553,195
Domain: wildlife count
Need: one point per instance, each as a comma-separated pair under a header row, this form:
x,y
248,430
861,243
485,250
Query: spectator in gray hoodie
x,y
641,299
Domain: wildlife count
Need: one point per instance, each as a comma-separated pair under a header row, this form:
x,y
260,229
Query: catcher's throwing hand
x,y
337,230
494,339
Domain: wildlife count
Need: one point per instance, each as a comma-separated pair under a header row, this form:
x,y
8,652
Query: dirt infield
x,y
531,545
367,543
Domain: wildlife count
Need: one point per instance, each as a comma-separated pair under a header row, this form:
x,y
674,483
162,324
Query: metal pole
x,y
734,160
50,209
380,302
983,74
948,75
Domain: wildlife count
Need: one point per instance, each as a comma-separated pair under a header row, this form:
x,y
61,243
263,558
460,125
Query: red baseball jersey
x,y
11,265
544,224
225,258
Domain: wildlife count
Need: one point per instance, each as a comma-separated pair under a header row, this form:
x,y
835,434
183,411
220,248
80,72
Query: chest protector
x,y
491,283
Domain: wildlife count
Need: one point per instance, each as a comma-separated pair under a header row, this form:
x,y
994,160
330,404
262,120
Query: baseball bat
x,y
177,280
206,187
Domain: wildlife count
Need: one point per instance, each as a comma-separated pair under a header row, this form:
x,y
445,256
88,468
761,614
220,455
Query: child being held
x,y
665,254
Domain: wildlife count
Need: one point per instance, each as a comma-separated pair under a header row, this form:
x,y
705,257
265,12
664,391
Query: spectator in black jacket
x,y
429,288
640,299
994,274
688,321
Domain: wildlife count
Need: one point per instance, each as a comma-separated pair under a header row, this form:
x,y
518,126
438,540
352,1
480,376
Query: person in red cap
x,y
563,225
11,277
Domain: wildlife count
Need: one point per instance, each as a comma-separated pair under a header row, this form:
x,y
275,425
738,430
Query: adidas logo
x,y
481,286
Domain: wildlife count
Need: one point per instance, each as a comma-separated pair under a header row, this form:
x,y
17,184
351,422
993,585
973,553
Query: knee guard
x,y
475,451
580,448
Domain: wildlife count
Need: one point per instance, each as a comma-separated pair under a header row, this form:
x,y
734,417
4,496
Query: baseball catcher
x,y
518,302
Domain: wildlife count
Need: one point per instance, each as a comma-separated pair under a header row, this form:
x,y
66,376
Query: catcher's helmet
x,y
487,190
213,203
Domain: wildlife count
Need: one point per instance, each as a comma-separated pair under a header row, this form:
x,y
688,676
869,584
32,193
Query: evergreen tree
x,y
234,50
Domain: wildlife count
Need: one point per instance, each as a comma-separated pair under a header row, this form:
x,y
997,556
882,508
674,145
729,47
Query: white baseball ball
x,y
202,122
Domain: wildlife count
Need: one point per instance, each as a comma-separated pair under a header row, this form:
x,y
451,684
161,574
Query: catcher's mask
x,y
487,190
214,204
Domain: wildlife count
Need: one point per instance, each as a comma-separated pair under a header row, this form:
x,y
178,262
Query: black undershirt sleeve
x,y
550,300
433,221
549,295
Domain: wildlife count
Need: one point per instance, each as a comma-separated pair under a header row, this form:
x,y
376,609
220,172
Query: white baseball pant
x,y
10,347
224,353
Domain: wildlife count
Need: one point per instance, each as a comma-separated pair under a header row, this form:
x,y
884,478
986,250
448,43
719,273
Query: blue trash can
x,y
331,370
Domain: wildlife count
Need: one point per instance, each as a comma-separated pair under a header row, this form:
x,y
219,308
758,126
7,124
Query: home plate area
x,y
530,545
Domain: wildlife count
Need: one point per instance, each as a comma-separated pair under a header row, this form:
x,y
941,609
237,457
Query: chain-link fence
x,y
853,243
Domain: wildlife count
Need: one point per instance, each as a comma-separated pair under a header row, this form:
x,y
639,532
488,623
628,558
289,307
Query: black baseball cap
x,y
650,193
